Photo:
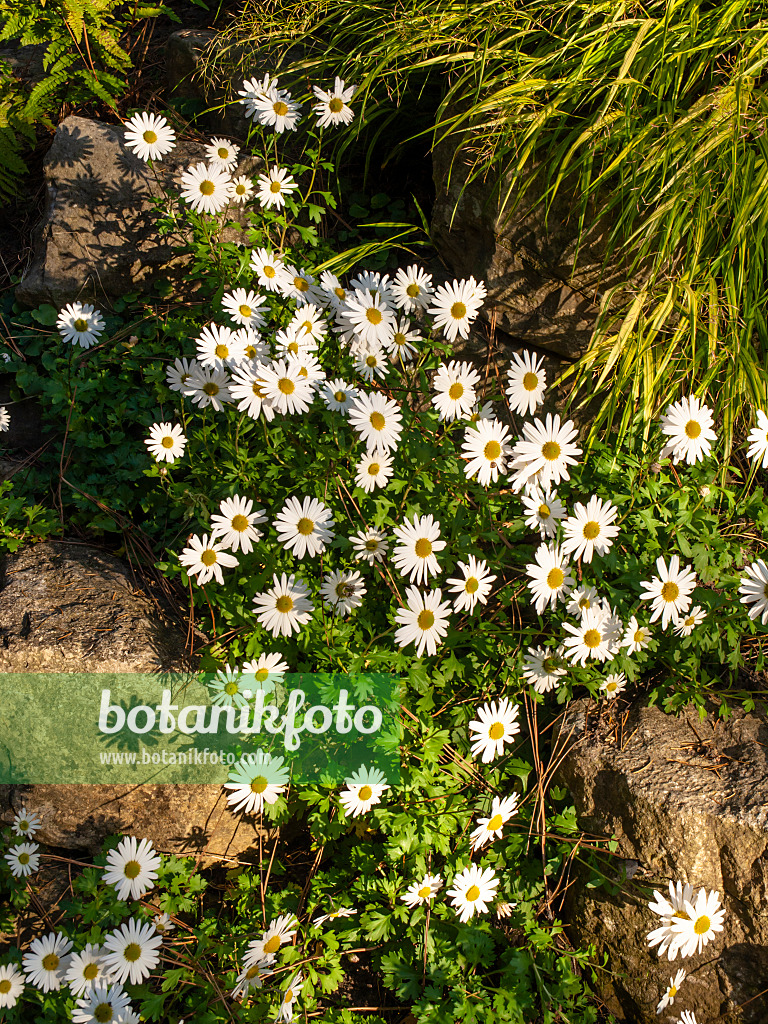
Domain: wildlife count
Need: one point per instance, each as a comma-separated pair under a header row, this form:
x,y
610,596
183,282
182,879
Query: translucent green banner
x,y
130,728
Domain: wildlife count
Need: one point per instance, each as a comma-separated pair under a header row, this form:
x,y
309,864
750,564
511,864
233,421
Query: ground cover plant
x,y
655,113
335,489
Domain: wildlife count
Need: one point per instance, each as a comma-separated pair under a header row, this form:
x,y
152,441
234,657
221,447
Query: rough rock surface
x,y
526,257
679,809
72,607
98,237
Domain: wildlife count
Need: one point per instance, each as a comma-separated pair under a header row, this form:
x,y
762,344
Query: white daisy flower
x,y
285,607
370,545
270,270
343,591
132,868
371,318
222,153
229,688
487,448
492,827
670,591
290,996
255,349
472,890
412,289
365,789
455,387
310,324
209,385
544,668
334,915
754,590
635,637
300,285
245,307
474,585
5,419
613,685
672,989
256,780
527,383
252,976
272,188
241,189
758,440
284,386
23,859
688,1017
80,324
102,1002
338,395
423,621
547,449
218,346
254,89
11,985
26,823
274,108
131,951
280,932
289,345
268,670
688,425
206,188
699,923
550,579
455,306
236,524
664,937
401,347
149,136
373,470
46,962
371,362
204,559
377,420
590,529
304,527
246,390
373,283
163,923
482,411
592,638
495,725
688,623
415,556
178,374
166,442
423,891
332,108
543,511
308,368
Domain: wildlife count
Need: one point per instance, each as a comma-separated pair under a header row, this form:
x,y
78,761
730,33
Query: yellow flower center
x,y
80,324
305,526
221,351
639,636
269,271
492,451
373,469
495,823
692,429
280,108
272,945
208,557
167,442
240,190
132,869
592,638
274,188
132,952
23,858
207,188
262,674
371,545
426,619
245,311
611,687
365,793
340,293
288,996
555,578
472,893
399,338
458,311
701,925
413,290
371,361
670,591
496,731
231,688
544,512
50,962
293,348
424,892
585,603
223,152
591,530
377,420
373,315
149,136
286,386
423,547
550,450
253,972
211,389
300,284
455,391
672,991
530,382
259,784
257,390
340,396
5,986
284,604
23,826
240,523
90,971
336,105
103,1013
472,585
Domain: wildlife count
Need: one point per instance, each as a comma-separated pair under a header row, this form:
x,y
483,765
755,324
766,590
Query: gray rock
x,y
202,95
679,810
74,608
525,256
182,57
98,238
